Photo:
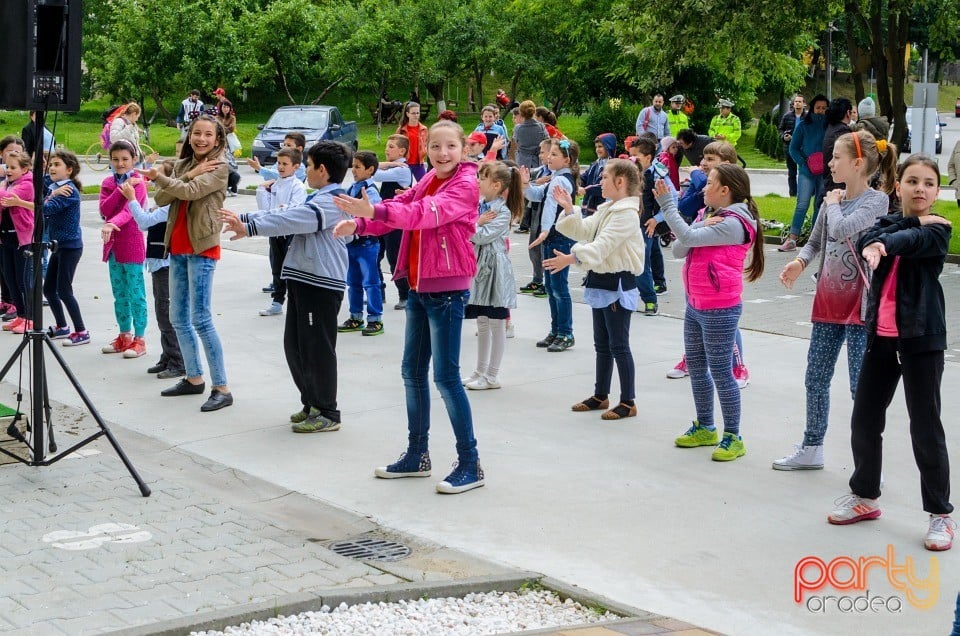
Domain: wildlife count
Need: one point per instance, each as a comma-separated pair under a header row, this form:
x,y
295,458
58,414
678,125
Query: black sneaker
x,y
268,289
522,230
546,342
350,324
650,309
540,292
561,343
373,328
530,287
660,288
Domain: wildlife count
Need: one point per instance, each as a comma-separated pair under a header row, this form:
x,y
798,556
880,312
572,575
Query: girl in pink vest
x,y
716,251
16,231
124,251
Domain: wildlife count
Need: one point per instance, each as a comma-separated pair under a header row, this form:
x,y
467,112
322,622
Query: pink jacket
x,y
22,217
127,245
713,275
446,221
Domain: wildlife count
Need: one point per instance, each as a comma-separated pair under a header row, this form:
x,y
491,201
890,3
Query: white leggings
x,y
491,340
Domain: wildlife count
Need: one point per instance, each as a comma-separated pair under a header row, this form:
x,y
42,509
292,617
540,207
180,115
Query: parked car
x,y
937,136
314,122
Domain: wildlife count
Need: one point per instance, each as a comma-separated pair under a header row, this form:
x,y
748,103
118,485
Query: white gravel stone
x,y
474,614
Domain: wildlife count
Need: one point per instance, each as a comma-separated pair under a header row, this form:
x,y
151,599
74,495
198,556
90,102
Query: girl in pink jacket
x,y
16,232
124,251
715,252
438,216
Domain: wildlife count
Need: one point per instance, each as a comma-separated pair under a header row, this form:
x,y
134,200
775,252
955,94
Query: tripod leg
x,y
48,414
144,489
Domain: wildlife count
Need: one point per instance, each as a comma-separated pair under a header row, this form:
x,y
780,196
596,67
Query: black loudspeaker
x,y
40,48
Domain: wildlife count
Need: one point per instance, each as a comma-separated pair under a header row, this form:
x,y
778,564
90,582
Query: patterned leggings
x,y
708,338
825,342
129,296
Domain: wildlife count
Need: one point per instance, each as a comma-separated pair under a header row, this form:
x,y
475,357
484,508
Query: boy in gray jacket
x,y
315,269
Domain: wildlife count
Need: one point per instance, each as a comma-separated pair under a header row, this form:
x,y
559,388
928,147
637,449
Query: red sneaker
x,y
119,344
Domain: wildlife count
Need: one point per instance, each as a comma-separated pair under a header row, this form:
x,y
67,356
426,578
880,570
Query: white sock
x,y
483,344
498,336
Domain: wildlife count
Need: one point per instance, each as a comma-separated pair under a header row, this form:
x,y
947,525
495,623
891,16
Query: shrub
x,y
612,116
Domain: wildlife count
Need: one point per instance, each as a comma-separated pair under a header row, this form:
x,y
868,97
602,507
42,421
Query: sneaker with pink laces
x,y
680,371
136,349
789,245
119,344
940,533
851,509
741,375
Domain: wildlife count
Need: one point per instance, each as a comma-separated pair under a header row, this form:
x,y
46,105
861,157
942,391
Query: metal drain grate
x,y
371,549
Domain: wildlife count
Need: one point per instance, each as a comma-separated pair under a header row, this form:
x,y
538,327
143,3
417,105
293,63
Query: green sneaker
x,y
316,423
731,447
350,324
697,435
302,415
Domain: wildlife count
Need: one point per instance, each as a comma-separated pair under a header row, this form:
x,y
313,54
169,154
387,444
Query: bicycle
x,y
97,160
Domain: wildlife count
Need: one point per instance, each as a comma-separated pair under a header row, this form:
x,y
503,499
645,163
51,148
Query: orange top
x,y
416,154
180,238
413,279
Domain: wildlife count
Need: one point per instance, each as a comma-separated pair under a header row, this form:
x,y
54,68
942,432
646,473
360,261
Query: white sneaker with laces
x,y
680,371
802,458
483,383
275,309
851,509
741,375
473,377
940,533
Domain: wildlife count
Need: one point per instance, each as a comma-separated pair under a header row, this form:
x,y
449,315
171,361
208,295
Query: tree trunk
x,y
877,53
853,52
898,24
436,92
167,117
329,88
478,78
282,77
515,83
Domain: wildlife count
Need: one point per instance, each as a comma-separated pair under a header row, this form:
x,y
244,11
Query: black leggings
x,y
58,287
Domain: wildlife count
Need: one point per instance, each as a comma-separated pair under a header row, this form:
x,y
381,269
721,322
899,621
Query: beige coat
x,y
610,240
205,195
953,170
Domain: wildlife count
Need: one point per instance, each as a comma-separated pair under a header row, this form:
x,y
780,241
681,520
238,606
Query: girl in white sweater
x,y
610,246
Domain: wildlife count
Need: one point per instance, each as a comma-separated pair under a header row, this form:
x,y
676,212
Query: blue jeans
x,y
558,290
434,324
808,187
191,294
645,280
363,275
825,342
708,338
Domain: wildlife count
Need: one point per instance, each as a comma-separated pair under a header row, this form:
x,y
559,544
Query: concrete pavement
x,y
612,507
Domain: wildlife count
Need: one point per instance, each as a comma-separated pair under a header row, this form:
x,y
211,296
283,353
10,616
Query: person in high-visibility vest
x,y
726,126
677,119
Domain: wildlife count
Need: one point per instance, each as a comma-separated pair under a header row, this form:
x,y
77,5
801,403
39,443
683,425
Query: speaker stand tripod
x,y
35,340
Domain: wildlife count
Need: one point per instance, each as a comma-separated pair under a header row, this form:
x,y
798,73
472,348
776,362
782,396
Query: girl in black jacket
x,y
906,336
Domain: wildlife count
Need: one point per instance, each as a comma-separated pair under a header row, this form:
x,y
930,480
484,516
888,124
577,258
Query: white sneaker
x,y
275,309
803,458
741,375
851,509
680,371
483,383
472,378
511,329
940,534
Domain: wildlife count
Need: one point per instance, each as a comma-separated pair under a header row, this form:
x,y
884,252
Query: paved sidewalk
x,y
610,506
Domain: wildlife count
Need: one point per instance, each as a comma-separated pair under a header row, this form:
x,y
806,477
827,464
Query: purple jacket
x,y
446,220
127,245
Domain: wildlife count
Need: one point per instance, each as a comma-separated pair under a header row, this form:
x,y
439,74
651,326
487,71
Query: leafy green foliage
x,y
612,116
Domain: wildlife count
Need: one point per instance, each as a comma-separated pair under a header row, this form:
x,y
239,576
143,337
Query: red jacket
x,y
446,221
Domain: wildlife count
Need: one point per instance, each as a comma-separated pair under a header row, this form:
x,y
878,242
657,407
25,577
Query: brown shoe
x,y
620,411
590,404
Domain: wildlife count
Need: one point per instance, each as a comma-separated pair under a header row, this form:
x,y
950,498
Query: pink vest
x,y
713,275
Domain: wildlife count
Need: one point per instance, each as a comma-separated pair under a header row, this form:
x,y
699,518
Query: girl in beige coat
x,y
610,246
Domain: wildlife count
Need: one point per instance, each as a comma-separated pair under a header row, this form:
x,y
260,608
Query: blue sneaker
x,y
57,333
76,339
463,478
407,466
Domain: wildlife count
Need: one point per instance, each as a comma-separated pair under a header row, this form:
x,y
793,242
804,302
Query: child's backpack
x,y
108,116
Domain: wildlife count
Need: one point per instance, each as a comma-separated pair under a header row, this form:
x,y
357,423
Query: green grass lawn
x,y
779,208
